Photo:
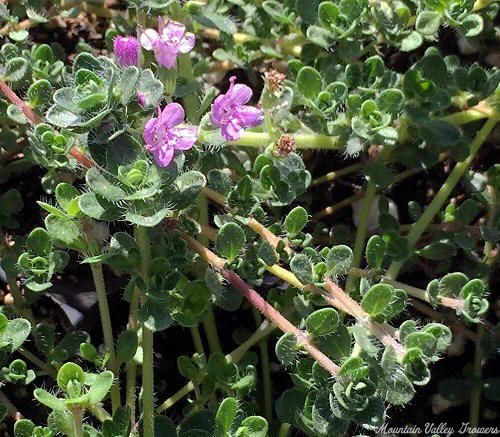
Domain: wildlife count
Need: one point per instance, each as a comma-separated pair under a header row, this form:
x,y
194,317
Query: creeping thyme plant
x,y
181,158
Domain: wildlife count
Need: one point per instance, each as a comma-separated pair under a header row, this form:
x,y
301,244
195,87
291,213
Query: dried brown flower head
x,y
285,145
274,80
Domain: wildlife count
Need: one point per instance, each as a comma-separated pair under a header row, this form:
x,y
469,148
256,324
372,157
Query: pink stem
x,y
260,304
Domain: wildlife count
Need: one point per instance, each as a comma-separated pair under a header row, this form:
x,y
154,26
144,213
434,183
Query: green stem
x,y
209,320
46,368
147,382
100,413
211,330
284,430
132,365
261,332
434,207
172,400
359,242
302,141
464,117
191,102
198,344
107,329
147,340
450,302
266,372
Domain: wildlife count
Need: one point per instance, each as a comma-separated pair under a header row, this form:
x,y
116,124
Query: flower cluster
x,y
230,112
163,136
170,40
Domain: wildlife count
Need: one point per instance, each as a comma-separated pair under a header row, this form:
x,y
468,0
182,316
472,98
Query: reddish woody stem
x,y
260,304
382,331
21,104
35,119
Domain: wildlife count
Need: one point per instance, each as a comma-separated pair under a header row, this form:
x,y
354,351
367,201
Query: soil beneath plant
x,y
176,341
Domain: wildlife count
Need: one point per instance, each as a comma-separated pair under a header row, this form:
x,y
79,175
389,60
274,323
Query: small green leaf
x,y
377,298
49,400
428,22
70,372
39,242
322,322
16,70
302,267
286,349
100,387
296,220
66,196
438,250
339,260
16,333
451,284
40,93
230,240
253,426
309,82
225,415
65,232
424,341
375,250
475,287
126,346
24,428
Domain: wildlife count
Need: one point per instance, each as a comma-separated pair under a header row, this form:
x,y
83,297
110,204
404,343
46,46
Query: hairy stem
x,y
331,176
450,302
261,305
132,365
266,372
435,206
77,412
107,329
147,340
45,367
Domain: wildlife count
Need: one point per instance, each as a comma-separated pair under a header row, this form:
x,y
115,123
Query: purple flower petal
x,y
230,113
185,138
149,38
165,55
232,130
172,115
150,132
239,94
187,43
173,32
163,156
249,116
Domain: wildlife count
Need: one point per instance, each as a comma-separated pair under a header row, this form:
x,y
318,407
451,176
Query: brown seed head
x,y
274,80
285,145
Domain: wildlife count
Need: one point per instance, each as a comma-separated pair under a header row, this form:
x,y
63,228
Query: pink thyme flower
x,y
170,40
230,113
163,136
126,49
